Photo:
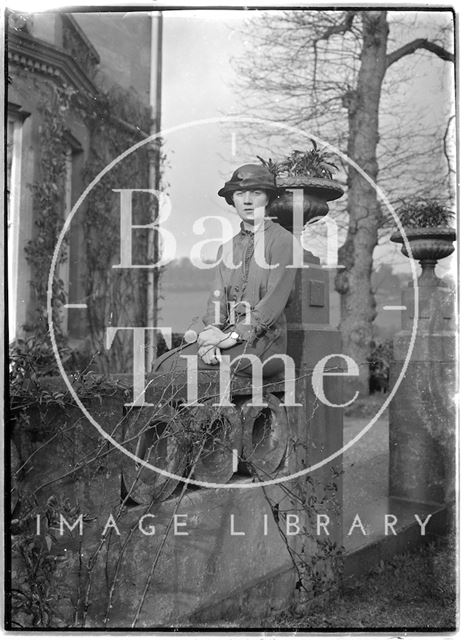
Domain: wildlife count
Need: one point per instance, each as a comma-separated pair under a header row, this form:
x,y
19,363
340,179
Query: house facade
x,y
82,88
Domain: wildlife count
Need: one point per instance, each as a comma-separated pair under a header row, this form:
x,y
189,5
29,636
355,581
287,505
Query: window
x,y
63,269
13,187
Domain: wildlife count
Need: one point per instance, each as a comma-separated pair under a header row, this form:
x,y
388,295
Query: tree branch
x,y
419,43
342,27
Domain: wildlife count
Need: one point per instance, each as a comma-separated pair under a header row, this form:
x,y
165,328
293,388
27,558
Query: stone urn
x,y
428,245
316,193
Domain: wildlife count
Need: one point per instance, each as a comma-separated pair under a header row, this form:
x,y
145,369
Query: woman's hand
x,y
215,337
209,354
227,342
210,336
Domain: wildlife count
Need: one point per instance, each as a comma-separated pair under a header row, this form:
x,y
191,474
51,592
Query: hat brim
x,y
228,190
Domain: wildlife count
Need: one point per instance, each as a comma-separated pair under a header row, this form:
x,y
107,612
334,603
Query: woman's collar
x,y
266,223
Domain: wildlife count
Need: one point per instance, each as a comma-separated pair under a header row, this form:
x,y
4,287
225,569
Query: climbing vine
x,y
115,297
48,205
115,120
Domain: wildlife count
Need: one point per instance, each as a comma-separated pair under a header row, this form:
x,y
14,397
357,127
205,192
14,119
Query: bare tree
x,y
325,71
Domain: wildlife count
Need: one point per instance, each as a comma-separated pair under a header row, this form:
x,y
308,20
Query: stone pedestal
x,y
422,412
311,338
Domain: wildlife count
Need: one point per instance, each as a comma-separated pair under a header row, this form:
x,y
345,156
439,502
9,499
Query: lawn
x,y
414,591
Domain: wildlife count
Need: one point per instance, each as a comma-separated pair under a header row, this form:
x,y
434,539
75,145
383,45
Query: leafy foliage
x,y
35,597
31,358
312,163
115,296
48,203
424,214
379,361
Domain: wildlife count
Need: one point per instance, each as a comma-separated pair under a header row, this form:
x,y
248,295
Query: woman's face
x,y
245,203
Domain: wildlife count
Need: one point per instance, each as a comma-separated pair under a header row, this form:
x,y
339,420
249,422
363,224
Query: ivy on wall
x,y
48,205
115,120
115,297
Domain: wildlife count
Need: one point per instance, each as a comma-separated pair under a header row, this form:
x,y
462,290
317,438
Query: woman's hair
x,y
314,207
271,195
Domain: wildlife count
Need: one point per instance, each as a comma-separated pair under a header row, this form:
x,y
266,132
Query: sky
x,y
198,84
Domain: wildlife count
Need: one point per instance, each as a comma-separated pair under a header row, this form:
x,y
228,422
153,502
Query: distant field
x,y
179,308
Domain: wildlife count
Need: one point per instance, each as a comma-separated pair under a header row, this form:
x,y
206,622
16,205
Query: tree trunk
x,y
354,282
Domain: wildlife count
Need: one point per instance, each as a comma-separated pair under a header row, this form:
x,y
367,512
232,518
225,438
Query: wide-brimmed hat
x,y
249,176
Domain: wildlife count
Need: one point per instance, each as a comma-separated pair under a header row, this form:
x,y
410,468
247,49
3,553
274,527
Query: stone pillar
x,y
310,338
422,412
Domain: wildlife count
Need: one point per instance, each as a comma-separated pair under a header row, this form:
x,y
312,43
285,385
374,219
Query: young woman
x,y
252,285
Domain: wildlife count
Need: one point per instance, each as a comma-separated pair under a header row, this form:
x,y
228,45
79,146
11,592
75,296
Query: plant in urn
x,y
309,171
427,226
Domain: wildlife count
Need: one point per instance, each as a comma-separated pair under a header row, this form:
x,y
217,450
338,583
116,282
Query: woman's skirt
x,y
271,344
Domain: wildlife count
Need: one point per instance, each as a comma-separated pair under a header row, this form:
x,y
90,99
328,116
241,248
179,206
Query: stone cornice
x,y
72,23
17,110
37,55
40,56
